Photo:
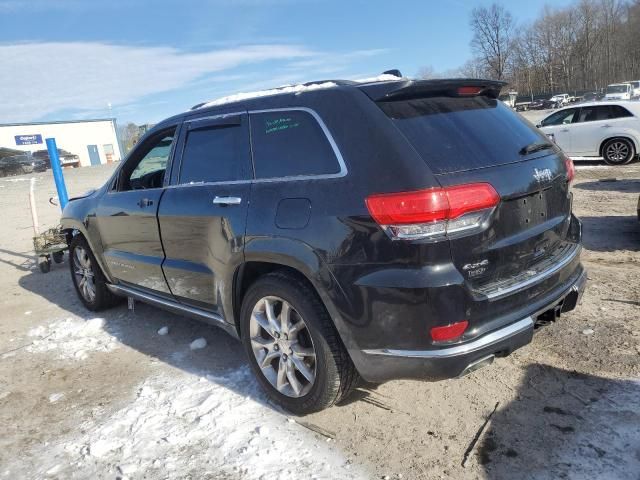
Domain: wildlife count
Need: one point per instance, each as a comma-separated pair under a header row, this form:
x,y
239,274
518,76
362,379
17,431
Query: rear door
x,y
590,125
126,215
480,140
203,214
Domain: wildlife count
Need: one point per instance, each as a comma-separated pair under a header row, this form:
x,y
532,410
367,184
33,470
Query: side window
x,y
215,153
617,111
290,143
147,167
562,117
593,113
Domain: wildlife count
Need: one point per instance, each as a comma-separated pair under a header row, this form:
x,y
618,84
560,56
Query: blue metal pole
x,y
57,172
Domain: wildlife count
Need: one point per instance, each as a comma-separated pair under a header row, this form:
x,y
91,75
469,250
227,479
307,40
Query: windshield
x,y
455,134
617,88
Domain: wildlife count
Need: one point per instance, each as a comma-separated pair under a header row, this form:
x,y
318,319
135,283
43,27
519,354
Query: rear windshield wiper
x,y
535,147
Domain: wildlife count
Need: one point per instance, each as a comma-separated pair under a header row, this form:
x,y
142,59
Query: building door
x,y
94,156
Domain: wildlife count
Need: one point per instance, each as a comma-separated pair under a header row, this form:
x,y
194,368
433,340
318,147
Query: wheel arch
x,y
298,260
633,141
72,227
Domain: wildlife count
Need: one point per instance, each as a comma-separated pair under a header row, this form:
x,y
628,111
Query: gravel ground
x,y
108,397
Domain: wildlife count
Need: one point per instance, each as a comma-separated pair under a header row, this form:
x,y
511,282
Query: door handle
x,y
606,126
145,202
227,201
565,130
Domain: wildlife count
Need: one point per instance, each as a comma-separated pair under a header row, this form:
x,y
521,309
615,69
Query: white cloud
x,y
37,79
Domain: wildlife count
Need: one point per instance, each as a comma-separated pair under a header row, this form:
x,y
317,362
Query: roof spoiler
x,y
410,89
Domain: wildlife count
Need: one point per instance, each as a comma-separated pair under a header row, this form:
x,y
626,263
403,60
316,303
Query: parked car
x,y
20,164
382,230
67,159
618,91
610,130
542,104
560,99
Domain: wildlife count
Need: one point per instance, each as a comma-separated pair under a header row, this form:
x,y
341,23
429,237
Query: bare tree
x,y
427,72
493,31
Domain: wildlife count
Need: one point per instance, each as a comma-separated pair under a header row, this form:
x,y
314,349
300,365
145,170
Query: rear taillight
x,y
449,332
571,169
433,212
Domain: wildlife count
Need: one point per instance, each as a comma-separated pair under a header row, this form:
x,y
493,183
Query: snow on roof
x,y
385,77
297,89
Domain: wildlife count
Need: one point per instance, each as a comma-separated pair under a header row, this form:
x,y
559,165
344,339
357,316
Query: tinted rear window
x,y
290,143
454,134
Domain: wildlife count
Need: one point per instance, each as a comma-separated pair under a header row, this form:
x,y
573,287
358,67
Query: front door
x,y
558,127
203,214
94,156
126,216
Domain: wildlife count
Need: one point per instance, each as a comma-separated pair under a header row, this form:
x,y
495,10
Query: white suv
x,y
610,130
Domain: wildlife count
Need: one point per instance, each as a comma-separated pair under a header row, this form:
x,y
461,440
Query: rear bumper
x,y
379,365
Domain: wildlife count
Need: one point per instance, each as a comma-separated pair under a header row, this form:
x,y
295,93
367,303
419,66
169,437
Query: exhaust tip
x,y
477,365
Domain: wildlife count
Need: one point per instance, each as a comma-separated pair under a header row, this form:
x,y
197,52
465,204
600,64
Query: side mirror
x,y
539,125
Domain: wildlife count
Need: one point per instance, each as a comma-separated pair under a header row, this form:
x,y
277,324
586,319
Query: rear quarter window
x,y
290,143
454,134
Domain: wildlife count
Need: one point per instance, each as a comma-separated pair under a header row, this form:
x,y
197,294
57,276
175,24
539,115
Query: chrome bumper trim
x,y
503,292
483,342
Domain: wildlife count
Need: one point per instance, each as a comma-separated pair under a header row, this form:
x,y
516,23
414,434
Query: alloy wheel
x,y
617,151
282,346
83,271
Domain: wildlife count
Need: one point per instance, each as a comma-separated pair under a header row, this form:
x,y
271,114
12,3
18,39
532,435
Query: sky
x,y
145,60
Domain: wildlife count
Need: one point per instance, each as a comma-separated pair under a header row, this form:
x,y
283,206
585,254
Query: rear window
x,y
290,143
455,134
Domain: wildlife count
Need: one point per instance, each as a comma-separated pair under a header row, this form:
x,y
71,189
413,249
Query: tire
x,y
81,258
618,151
334,373
44,264
58,257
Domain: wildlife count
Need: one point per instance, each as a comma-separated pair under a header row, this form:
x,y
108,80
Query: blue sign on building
x,y
28,139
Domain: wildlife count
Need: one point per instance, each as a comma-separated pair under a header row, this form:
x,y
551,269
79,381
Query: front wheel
x,y
618,151
90,283
293,347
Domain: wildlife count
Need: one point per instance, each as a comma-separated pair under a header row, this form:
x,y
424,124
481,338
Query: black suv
x,y
391,229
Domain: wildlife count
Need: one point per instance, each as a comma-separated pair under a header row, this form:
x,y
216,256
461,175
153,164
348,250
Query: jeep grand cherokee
x,y
341,230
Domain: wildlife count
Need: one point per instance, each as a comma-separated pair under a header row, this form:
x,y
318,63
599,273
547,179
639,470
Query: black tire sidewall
x,y
632,151
321,392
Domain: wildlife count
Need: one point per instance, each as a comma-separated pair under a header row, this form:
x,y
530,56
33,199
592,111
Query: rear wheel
x,y
618,151
88,279
292,345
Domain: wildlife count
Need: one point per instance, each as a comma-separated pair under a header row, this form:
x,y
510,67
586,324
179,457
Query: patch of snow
x,y
28,312
72,338
163,331
54,397
385,77
15,180
198,343
587,331
297,89
183,425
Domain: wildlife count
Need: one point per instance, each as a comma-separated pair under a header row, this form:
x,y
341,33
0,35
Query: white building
x,y
94,141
